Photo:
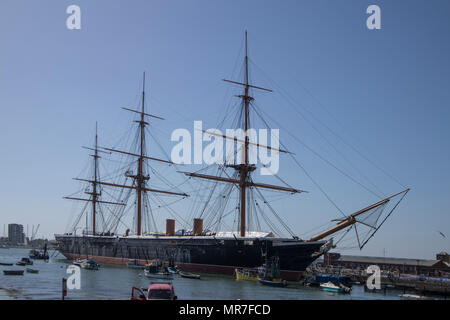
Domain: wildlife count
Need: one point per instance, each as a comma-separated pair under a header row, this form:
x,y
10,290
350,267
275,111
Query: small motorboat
x,y
189,275
39,255
273,282
158,275
173,270
29,270
78,262
13,272
25,262
6,264
331,287
90,265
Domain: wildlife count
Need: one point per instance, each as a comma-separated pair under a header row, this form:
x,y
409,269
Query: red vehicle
x,y
156,291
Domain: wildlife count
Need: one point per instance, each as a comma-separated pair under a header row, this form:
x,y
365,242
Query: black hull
x,y
294,255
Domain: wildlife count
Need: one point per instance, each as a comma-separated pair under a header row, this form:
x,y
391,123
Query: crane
x,y
35,232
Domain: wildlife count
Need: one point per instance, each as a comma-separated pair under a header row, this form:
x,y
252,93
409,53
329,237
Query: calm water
x,y
112,282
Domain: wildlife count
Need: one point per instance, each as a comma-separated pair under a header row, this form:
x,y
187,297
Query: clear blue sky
x,y
387,91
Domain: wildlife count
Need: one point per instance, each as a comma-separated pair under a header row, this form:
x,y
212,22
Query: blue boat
x,y
334,278
273,283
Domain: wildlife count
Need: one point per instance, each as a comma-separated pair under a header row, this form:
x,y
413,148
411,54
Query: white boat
x,y
90,265
158,275
189,275
413,297
331,287
78,262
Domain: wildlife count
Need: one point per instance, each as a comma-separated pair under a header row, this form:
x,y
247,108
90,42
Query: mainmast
x,y
244,168
140,178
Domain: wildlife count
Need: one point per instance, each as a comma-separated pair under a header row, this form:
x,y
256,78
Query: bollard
x,y
64,288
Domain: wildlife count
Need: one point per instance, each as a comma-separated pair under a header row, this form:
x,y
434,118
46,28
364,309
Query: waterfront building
x,y
439,266
15,234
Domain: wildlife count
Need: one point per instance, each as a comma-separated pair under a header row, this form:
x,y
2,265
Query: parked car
x,y
155,291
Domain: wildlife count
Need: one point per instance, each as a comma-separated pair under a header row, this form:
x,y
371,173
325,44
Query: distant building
x,y
401,265
15,234
443,256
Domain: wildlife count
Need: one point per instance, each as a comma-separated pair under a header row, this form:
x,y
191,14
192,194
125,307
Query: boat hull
x,y
278,284
333,290
13,272
159,275
195,254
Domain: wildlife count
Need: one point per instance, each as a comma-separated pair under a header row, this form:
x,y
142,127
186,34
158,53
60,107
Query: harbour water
x,y
115,283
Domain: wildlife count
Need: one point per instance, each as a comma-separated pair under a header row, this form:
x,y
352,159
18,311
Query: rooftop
x,y
388,260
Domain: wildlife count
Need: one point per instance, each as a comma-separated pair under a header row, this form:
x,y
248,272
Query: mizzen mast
x,y
95,194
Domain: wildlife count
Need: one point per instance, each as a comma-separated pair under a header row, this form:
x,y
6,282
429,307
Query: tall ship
x,y
206,243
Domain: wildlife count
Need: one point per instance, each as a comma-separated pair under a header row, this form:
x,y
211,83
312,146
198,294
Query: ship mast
x,y
140,179
245,168
94,195
94,184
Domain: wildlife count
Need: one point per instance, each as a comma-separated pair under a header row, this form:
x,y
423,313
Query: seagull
x,y
443,235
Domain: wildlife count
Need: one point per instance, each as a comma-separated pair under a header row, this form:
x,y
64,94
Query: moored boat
x,y
273,282
269,274
90,265
13,272
189,275
78,262
318,279
173,270
246,274
29,270
39,255
6,263
158,275
337,288
25,262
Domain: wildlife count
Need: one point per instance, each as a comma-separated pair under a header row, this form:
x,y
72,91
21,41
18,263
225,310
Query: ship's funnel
x,y
170,227
198,227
